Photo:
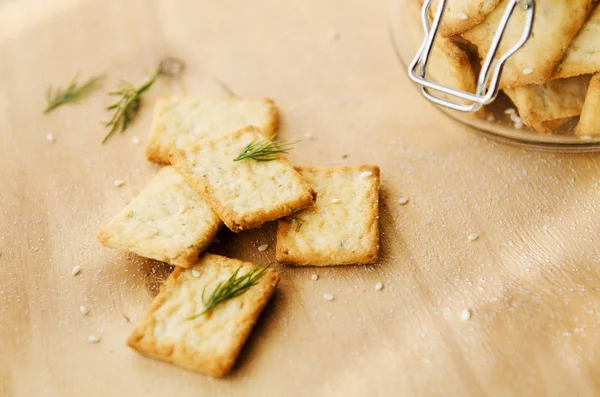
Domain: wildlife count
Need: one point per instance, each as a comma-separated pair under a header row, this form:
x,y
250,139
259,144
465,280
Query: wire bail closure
x,y
491,68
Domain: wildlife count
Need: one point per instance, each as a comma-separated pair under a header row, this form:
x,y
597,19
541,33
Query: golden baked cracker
x,y
583,54
461,15
342,228
209,343
555,99
179,121
244,193
448,64
589,122
168,221
556,24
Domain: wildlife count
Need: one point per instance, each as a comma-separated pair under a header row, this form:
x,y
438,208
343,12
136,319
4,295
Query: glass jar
x,y
539,100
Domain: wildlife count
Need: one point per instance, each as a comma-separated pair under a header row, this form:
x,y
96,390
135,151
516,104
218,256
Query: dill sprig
x,y
56,96
232,287
265,149
125,109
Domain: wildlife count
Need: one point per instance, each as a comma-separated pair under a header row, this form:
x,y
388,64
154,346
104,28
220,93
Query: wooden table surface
x,y
531,281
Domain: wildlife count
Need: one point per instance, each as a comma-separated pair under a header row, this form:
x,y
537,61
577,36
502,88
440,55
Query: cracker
x,y
342,228
168,221
244,193
210,343
589,122
179,121
556,24
448,64
556,99
462,15
583,55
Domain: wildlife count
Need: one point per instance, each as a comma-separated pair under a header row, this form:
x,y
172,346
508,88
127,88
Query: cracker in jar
x,y
179,121
540,106
583,55
557,22
342,228
175,329
589,122
448,64
461,15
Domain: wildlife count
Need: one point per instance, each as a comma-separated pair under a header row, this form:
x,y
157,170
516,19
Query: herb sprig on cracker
x,y
265,150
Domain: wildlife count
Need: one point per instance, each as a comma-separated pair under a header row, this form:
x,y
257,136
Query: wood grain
x,y
531,281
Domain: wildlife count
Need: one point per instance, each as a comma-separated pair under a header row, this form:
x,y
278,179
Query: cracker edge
x,y
157,153
583,129
178,160
206,365
371,257
185,258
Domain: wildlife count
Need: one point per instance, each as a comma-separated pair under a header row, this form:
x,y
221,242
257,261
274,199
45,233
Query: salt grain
x,y
328,297
366,174
50,137
76,270
403,200
462,15
263,247
466,314
93,339
473,236
379,286
314,277
135,140
335,200
84,310
118,183
195,273
527,71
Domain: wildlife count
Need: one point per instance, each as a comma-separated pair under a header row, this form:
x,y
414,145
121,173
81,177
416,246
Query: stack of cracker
x,y
548,79
327,216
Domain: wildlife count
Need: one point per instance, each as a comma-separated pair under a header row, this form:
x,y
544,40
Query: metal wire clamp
x,y
491,68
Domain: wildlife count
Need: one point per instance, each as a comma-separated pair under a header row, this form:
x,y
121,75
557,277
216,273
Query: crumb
x,y
328,297
93,339
50,137
403,200
118,183
466,314
76,270
379,286
84,310
263,247
473,236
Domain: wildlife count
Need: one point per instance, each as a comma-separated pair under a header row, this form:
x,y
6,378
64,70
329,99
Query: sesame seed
x,y
314,277
135,140
585,138
195,273
379,286
93,339
328,297
263,247
403,200
473,236
335,200
462,15
50,137
181,210
118,183
527,71
76,270
366,174
84,310
333,34
466,314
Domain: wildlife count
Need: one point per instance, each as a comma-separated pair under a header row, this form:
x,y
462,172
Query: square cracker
x,y
179,121
244,193
168,221
342,228
553,100
210,343
583,55
448,64
556,24
462,15
589,122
